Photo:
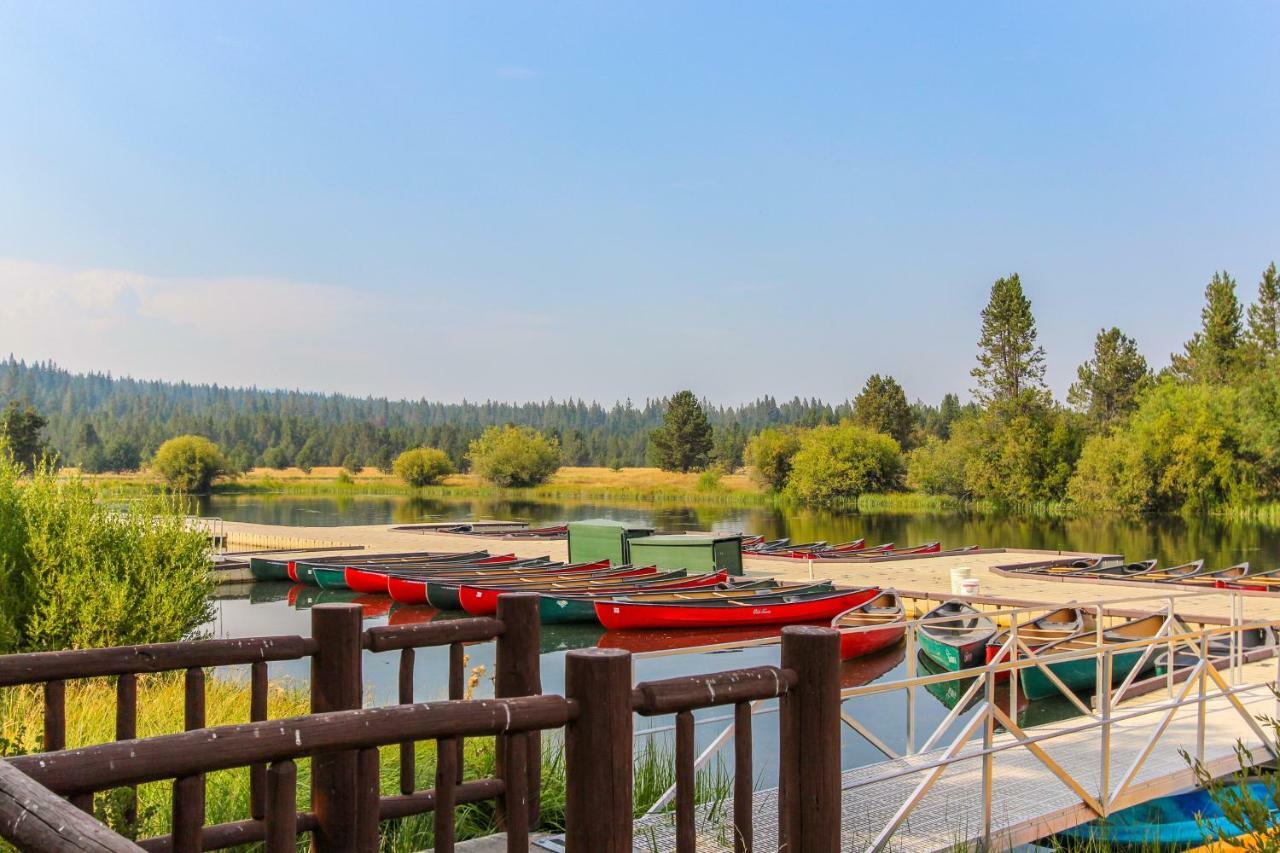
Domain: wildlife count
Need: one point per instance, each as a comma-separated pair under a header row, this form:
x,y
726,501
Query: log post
x,y
598,752
519,674
813,819
336,685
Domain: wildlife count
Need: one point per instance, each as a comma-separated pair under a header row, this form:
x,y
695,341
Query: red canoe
x,y
408,589
884,610
376,580
482,600
788,610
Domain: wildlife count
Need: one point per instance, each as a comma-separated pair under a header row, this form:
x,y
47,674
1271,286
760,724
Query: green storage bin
x,y
698,554
602,539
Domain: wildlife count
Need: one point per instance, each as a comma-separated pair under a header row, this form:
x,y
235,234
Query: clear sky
x,y
611,200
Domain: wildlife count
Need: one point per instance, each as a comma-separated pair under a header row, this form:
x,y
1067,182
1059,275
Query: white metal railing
x,y
1015,656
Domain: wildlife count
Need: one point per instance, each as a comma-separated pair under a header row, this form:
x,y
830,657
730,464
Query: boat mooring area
x,y
978,776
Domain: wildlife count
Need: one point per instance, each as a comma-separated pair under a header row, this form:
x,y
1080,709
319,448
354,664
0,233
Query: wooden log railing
x,y
596,713
339,776
599,744
279,743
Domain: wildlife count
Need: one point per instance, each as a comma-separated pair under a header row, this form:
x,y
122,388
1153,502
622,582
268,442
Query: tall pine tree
x,y
1107,385
1010,362
683,442
1213,353
882,405
1263,336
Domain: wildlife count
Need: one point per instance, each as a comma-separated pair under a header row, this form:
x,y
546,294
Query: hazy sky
x,y
621,199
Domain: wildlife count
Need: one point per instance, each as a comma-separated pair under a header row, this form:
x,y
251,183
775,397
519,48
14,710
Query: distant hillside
x,y
129,418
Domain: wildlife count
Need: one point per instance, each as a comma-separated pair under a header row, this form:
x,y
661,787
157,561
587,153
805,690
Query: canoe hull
x,y
1081,676
268,570
618,615
953,657
856,644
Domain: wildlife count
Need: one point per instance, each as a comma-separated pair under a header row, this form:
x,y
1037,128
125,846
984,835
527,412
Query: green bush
x,y
937,468
1019,452
1185,448
514,457
76,574
839,462
422,466
769,453
190,463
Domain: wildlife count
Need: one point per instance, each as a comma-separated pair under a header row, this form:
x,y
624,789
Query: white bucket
x,y
970,586
959,575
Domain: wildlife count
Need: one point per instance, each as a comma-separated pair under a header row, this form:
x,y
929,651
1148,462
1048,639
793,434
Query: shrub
x,y
77,574
190,463
843,461
422,466
937,468
709,481
1184,448
514,457
769,454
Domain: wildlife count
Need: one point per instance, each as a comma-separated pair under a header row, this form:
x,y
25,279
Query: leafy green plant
x,y
769,454
76,573
841,462
190,463
513,456
422,466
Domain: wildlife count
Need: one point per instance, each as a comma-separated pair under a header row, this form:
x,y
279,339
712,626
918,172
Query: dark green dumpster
x,y
602,539
698,553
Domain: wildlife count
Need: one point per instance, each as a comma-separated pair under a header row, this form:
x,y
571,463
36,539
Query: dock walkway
x,y
1028,801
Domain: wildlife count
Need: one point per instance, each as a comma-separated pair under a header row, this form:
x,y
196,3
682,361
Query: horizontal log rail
x,y
43,667
112,765
334,648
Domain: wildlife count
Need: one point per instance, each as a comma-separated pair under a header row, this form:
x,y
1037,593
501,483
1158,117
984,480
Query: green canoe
x,y
957,643
269,570
1081,675
327,577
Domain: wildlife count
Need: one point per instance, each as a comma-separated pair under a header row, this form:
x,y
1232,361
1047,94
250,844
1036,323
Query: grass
x,y
91,720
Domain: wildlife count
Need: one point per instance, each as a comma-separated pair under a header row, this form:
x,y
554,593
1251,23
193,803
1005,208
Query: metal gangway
x,y
984,780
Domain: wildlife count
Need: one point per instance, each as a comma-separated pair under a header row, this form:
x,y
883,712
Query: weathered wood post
x,y
336,685
812,715
519,674
598,751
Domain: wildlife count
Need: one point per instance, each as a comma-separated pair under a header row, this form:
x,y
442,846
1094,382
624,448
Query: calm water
x,y
1172,540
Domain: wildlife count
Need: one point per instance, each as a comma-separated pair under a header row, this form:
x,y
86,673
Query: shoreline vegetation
x,y
639,487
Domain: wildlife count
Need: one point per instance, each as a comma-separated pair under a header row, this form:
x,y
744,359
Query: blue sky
x,y
618,200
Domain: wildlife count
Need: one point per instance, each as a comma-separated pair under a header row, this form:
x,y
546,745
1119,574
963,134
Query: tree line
x,y
102,423
1200,433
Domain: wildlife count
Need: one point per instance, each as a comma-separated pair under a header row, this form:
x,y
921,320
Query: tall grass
x,y
91,720
75,573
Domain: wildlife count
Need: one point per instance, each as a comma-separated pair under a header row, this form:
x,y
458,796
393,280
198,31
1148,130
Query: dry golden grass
x,y
645,479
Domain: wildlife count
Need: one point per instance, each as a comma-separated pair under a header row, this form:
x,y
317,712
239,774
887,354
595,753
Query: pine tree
x,y
20,435
1263,337
683,442
882,405
1213,353
1107,385
948,411
1009,360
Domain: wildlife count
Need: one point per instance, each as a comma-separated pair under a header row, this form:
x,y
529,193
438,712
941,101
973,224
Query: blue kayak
x,y
1165,821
